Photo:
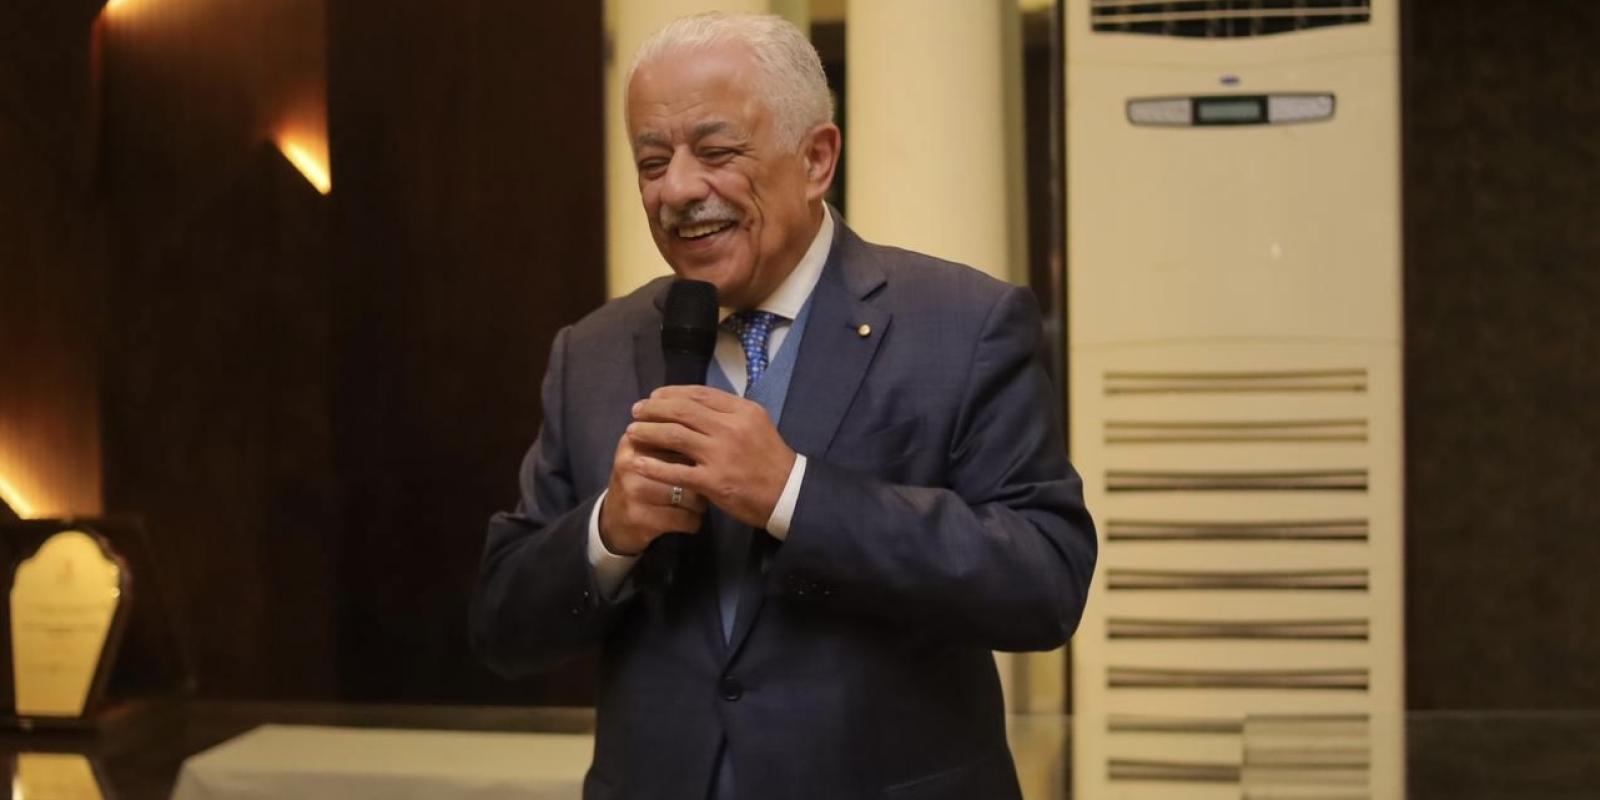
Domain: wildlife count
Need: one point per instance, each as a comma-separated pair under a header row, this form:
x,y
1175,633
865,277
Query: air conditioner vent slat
x,y
1309,530
1321,381
1348,629
1124,769
1316,480
1236,580
1144,723
1224,19
1235,431
1299,679
1338,727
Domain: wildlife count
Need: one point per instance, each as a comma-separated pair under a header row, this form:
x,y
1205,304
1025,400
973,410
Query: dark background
x,y
315,401
1502,357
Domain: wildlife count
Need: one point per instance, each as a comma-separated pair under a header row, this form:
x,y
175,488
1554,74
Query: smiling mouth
x,y
702,230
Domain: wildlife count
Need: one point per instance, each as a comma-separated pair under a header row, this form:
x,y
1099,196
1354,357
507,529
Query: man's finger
x,y
714,399
678,409
671,436
643,491
678,520
656,493
692,500
635,450
670,474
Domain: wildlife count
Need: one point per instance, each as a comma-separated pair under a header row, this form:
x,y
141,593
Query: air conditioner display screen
x,y
1230,110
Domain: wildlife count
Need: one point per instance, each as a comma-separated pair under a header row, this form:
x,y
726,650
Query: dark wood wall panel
x,y
193,87
218,431
468,168
217,353
1502,182
318,401
50,255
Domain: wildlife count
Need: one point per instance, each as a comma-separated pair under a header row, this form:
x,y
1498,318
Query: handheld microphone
x,y
688,331
688,339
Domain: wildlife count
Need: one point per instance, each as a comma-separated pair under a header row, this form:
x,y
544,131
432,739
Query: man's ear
x,y
820,151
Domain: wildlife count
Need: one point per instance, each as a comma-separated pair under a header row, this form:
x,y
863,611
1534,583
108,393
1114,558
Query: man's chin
x,y
718,273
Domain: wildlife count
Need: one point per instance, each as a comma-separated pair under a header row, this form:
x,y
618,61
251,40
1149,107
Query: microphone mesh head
x,y
690,304
688,331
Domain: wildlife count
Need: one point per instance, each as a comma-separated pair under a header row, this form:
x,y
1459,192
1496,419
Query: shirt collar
x,y
791,295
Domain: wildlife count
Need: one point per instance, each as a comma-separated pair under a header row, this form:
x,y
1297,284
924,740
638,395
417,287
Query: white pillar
x,y
929,128
631,255
933,146
797,12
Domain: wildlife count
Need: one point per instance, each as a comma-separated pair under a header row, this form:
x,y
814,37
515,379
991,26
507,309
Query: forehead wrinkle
x,y
678,87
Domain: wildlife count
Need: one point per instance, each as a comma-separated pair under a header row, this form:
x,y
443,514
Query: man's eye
x,y
652,165
716,154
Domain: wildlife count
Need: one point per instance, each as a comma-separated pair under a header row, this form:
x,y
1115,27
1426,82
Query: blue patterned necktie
x,y
753,329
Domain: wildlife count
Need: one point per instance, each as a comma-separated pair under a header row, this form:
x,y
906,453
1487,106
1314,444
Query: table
x,y
317,762
1548,755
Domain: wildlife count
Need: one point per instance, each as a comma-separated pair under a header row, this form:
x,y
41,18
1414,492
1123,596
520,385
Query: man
x,y
873,475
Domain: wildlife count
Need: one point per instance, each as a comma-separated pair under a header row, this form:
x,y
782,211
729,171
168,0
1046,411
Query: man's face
x,y
727,201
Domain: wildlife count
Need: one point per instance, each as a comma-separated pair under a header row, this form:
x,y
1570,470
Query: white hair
x,y
788,68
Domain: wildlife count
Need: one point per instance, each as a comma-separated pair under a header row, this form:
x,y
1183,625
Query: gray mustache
x,y
713,209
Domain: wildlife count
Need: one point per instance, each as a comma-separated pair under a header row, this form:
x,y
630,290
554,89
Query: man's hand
x,y
738,460
638,508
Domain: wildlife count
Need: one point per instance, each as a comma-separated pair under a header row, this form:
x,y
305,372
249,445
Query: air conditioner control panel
x,y
1231,109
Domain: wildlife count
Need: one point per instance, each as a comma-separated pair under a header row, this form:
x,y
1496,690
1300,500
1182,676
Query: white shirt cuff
x,y
783,512
610,569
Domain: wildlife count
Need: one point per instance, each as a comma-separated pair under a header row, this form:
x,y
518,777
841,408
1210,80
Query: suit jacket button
x,y
731,688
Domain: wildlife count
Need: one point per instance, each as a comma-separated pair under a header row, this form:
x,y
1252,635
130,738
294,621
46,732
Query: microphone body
x,y
688,332
688,340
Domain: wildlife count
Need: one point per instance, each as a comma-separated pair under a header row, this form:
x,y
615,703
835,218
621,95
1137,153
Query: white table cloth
x,y
279,762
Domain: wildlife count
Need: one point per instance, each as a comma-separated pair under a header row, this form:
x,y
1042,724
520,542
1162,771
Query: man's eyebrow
x,y
648,139
705,129
698,132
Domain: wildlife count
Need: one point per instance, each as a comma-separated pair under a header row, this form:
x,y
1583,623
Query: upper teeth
x,y
698,229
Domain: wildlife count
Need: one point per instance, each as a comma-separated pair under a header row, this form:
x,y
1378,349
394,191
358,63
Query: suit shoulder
x,y
919,278
621,315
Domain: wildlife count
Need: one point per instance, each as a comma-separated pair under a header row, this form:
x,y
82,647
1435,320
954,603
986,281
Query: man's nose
x,y
683,182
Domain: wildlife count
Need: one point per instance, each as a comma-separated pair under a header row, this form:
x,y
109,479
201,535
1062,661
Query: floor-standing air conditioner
x,y
1234,311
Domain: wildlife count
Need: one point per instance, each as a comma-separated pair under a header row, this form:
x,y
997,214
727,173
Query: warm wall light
x,y
13,498
303,157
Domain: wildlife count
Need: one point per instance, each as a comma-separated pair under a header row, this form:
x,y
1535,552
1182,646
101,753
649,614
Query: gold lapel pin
x,y
864,331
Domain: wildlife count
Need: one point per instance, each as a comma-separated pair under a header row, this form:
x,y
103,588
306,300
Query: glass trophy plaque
x,y
55,776
66,608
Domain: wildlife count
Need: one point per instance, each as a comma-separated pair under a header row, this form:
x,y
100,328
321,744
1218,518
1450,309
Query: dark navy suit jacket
x,y
938,520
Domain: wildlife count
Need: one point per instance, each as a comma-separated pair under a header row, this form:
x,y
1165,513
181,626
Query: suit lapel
x,y
648,364
752,589
834,354
833,360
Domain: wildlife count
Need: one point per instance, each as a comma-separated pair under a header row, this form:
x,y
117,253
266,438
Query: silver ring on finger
x,y
677,496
